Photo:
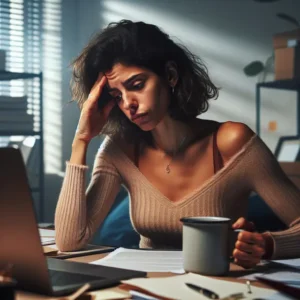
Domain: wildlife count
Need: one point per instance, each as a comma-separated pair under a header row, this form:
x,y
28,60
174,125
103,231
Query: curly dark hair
x,y
147,46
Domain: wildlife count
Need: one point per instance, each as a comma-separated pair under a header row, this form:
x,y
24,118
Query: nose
x,y
130,103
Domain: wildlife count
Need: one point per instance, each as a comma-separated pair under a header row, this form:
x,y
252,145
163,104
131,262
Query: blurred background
x,y
39,39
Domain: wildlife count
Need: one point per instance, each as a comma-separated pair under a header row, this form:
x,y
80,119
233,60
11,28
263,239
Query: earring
x,y
173,89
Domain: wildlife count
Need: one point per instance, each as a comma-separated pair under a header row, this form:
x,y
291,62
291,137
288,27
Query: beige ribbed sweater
x,y
80,212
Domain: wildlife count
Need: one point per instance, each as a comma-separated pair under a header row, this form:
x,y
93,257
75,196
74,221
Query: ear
x,y
171,73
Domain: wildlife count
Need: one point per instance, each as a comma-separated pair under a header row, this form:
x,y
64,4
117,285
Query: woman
x,y
172,163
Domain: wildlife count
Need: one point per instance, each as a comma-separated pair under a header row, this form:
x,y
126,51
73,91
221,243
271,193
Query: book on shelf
x,y
14,112
13,103
20,126
13,106
12,99
18,118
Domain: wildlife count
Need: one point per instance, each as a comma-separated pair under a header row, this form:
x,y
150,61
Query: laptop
x,y
20,243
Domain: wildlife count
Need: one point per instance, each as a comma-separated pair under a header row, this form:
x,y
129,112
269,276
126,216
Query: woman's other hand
x,y
92,119
250,246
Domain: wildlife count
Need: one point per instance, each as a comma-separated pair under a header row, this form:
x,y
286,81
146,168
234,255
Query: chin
x,y
147,127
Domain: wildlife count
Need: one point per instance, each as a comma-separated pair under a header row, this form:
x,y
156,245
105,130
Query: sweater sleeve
x,y
266,177
79,213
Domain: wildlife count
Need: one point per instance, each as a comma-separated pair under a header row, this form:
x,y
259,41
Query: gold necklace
x,y
168,170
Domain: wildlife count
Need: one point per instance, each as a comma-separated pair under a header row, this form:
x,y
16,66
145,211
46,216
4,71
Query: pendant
x,y
168,169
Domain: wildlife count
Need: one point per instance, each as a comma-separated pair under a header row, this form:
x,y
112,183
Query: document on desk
x,y
293,262
47,241
47,233
174,287
282,274
144,260
47,236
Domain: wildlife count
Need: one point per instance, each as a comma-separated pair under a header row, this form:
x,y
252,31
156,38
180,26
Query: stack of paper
x,y
175,287
288,275
294,262
144,260
13,114
47,236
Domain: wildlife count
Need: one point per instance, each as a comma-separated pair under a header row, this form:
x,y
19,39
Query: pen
x,y
208,293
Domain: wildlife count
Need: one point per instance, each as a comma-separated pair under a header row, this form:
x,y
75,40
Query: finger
x,y
244,224
238,223
253,250
97,89
245,264
251,238
241,255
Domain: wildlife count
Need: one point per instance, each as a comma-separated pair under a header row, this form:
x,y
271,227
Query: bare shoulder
x,y
231,138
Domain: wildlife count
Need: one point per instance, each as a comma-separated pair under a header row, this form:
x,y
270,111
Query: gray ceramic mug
x,y
207,243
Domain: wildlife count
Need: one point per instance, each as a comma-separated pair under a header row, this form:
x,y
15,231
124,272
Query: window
x,y
20,37
30,34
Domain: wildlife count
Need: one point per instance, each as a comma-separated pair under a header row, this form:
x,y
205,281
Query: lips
x,y
135,117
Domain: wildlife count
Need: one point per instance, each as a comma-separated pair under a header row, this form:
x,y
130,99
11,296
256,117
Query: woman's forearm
x,y
79,149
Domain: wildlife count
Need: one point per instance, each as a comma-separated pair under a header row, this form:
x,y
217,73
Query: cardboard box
x,y
287,63
287,54
280,40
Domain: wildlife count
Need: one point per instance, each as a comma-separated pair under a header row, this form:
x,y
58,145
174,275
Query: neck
x,y
168,135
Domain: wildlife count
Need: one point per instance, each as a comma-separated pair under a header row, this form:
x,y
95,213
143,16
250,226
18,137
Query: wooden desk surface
x,y
235,272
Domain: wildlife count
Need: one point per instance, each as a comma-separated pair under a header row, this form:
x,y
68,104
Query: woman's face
x,y
142,95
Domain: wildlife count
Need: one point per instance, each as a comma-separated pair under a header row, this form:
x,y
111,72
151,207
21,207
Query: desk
x,y
235,271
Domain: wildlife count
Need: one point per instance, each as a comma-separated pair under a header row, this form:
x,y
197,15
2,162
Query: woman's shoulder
x,y
232,137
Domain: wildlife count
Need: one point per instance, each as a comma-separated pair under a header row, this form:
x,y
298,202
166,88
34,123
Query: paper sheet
x,y
47,233
294,262
47,236
287,277
109,294
88,249
174,287
144,260
47,241
284,275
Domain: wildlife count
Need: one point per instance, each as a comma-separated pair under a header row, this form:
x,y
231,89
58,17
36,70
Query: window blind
x,y
20,37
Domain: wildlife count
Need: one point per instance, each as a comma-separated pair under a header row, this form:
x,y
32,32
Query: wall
x,y
227,35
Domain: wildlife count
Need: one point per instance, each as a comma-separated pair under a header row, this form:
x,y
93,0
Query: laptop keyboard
x,y
60,278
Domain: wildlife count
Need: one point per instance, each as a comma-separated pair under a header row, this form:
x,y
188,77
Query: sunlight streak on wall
x,y
52,66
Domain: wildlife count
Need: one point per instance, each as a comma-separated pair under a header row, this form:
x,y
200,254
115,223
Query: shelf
x,y
5,75
22,133
289,84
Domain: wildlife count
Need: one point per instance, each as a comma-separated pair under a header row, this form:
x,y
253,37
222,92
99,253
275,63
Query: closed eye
x,y
117,98
138,86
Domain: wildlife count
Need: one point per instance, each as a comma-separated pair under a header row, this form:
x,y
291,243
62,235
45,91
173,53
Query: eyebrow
x,y
126,82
